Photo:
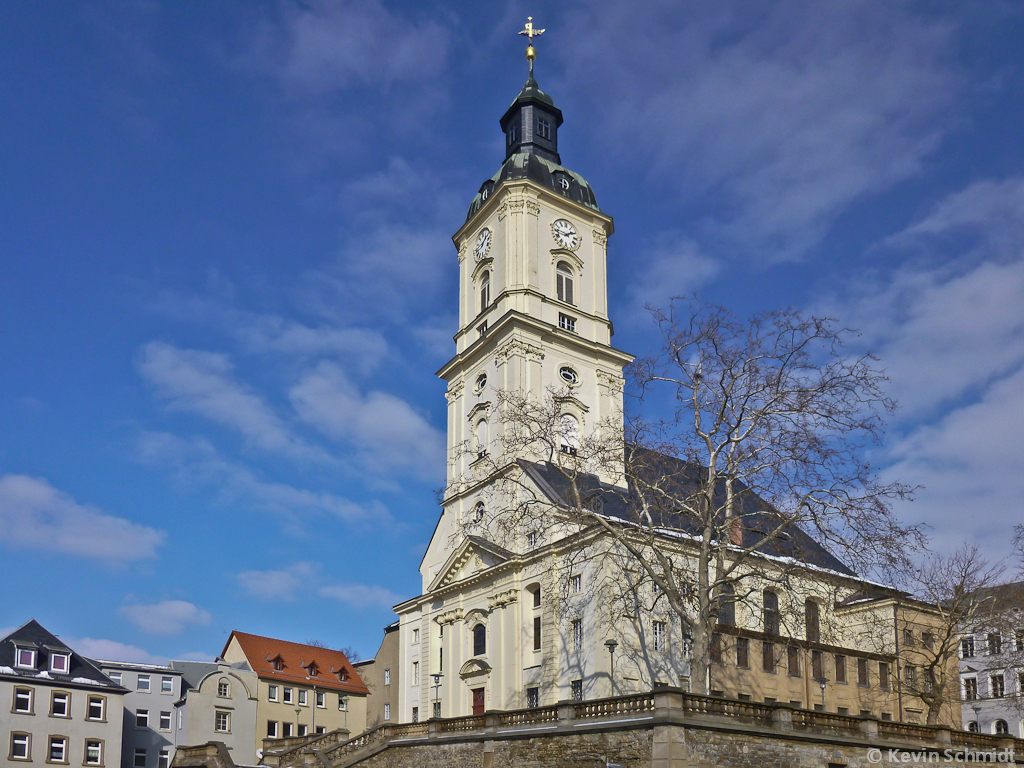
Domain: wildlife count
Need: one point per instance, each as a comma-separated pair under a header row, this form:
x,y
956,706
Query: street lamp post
x,y
977,717
297,713
437,694
343,703
822,681
611,645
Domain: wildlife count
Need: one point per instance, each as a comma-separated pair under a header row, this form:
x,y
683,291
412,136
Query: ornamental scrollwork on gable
x,y
455,391
516,348
610,381
502,599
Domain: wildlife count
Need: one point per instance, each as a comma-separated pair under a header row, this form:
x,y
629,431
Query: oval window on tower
x,y
481,383
569,375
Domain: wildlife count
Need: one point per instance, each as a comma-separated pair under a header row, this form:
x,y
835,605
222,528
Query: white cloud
x,y
169,617
361,595
36,515
383,428
775,117
675,266
112,650
280,584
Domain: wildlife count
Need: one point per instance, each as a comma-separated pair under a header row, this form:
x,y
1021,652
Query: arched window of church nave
x,y
570,437
478,511
479,640
485,291
564,282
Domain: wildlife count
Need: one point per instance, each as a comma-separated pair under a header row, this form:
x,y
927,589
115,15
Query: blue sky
x,y
227,279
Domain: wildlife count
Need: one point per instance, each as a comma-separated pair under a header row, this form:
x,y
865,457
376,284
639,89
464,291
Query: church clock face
x,y
565,235
483,243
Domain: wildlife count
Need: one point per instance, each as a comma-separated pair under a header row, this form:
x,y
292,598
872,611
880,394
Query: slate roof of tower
x,y
295,657
758,516
32,634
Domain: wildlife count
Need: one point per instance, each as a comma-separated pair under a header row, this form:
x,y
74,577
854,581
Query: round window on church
x,y
481,383
569,375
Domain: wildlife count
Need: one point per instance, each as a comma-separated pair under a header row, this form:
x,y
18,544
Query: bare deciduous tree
x,y
757,468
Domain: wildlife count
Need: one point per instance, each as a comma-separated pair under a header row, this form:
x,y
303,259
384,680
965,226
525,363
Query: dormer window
x,y
277,663
25,658
313,669
544,128
60,662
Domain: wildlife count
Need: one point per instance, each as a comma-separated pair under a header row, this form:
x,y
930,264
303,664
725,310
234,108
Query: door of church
x,y
478,701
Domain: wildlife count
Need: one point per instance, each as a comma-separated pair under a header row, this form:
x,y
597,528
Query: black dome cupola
x,y
531,123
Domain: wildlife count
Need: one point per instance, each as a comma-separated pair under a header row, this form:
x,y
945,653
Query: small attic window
x,y
25,658
277,663
314,670
544,128
60,662
343,675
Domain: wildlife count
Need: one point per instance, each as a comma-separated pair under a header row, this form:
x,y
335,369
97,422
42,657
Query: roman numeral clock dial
x,y
565,235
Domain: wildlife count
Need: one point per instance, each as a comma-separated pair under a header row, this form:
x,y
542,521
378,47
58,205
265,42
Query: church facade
x,y
520,607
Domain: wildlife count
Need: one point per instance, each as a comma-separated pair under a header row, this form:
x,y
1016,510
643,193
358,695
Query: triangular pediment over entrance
x,y
474,555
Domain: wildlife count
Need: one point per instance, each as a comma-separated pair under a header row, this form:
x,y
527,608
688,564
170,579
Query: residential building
x,y
992,664
147,731
218,703
516,615
302,689
381,675
63,709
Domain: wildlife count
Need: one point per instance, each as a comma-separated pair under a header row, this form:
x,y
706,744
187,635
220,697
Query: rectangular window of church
x,y
742,652
995,645
387,677
543,128
812,629
566,323
533,697
970,689
415,714
768,656
577,690
840,669
536,633
862,672
415,636
513,134
536,598
577,634
883,675
415,673
793,661
715,650
658,631
996,687
770,613
967,647
576,584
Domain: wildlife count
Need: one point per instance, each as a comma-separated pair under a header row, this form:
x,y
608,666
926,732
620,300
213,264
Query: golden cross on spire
x,y
531,33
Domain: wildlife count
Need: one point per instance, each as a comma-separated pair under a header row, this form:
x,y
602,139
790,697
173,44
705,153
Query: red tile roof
x,y
296,659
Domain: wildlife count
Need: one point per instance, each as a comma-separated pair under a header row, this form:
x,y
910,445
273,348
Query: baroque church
x,y
519,609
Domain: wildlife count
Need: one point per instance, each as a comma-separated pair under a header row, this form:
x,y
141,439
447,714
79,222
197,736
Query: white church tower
x,y
533,319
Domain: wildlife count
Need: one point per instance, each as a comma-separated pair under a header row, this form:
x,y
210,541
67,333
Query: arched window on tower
x,y
485,291
480,436
479,640
570,437
563,282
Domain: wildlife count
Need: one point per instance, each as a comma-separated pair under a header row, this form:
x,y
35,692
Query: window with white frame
x,y
967,648
60,662
658,631
21,746
566,323
995,644
485,291
272,694
577,634
23,700
302,698
970,688
387,711
142,718
321,699
271,729
223,688
286,730
570,437
576,584
142,684
415,636
996,686
166,685
387,677
60,704
342,703
165,721
96,709
303,729
25,658
93,752
415,673
165,758
115,677
287,695
140,757
222,721
58,752
564,282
